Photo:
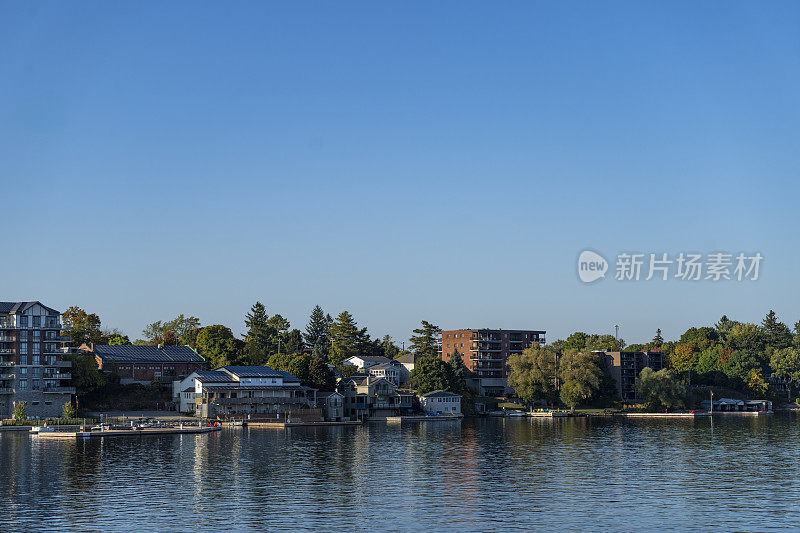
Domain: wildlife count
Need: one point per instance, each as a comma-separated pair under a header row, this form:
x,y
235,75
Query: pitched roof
x,y
325,394
406,358
382,366
371,358
438,394
213,376
147,354
21,307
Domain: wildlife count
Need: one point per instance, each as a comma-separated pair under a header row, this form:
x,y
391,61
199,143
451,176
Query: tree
x,y
115,339
660,391
218,345
281,361
261,338
576,341
390,349
684,357
581,375
532,374
69,410
320,376
299,367
426,340
786,365
701,338
432,374
749,338
344,338
796,338
81,327
724,326
777,335
457,365
756,383
86,376
279,323
658,340
19,411
317,329
740,364
180,330
292,341
346,371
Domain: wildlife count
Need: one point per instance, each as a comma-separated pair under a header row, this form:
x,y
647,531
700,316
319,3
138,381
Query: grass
x,y
48,421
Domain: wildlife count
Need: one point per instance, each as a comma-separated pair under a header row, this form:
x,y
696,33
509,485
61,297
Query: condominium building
x,y
31,366
485,353
625,367
145,363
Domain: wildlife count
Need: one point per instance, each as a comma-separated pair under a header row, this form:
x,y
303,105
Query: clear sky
x,y
444,161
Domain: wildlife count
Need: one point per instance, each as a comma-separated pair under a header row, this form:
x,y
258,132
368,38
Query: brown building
x,y
144,363
485,353
31,366
625,367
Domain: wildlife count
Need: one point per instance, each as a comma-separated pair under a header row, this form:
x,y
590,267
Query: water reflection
x,y
471,475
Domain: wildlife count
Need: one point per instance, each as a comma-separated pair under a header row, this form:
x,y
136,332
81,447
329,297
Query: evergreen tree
x,y
317,330
658,340
390,349
279,323
292,342
460,371
776,334
796,340
427,340
261,339
344,338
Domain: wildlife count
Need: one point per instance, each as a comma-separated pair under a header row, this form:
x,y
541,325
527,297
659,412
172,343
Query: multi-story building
x,y
145,363
625,367
252,391
368,397
31,366
485,353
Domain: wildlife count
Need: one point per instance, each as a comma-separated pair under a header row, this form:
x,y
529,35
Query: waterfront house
x,y
253,392
407,360
370,397
146,363
625,367
332,405
32,368
392,371
363,362
441,403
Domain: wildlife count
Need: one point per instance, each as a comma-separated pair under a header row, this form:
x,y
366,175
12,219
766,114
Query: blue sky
x,y
404,161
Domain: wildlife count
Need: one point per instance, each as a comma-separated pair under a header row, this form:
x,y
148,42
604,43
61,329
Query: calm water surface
x,y
735,474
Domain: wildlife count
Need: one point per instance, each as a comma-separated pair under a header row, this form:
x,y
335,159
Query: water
x,y
737,474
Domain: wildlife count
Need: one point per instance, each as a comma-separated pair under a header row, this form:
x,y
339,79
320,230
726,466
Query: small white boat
x,y
41,429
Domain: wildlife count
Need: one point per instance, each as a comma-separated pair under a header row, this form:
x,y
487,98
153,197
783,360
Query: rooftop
x,y
20,307
146,354
439,394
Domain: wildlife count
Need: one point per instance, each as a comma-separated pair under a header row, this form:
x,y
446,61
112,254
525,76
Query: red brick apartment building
x,y
144,363
485,352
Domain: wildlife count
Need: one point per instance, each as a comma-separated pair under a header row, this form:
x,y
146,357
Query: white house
x,y
365,361
390,371
441,403
407,360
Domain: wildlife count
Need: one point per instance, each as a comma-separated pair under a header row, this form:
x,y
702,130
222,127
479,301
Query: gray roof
x,y
380,366
147,354
438,394
259,372
20,307
406,358
214,376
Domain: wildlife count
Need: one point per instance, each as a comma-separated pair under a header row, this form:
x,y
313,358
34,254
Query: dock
x,y
302,424
187,430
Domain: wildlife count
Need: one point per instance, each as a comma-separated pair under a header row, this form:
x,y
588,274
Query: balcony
x,y
7,351
7,364
58,376
63,364
59,390
6,390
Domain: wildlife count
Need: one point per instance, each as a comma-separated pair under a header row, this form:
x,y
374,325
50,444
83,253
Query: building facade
x,y
370,397
485,353
255,392
441,403
625,367
32,369
144,364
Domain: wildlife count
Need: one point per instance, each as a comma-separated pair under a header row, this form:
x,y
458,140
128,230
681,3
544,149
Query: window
x,y
35,360
23,322
23,347
23,384
37,348
37,322
37,335
23,359
23,371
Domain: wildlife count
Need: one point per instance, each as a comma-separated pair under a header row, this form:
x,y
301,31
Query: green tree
x,y
116,339
658,340
281,361
777,335
390,349
724,326
701,338
456,362
86,376
796,338
426,340
261,339
81,327
581,374
432,374
533,374
279,323
785,364
344,338
749,338
320,376
346,371
69,410
317,330
218,345
603,342
19,411
292,341
740,364
660,391
299,367
576,341
756,382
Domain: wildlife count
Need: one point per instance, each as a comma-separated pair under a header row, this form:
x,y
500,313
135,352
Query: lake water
x,y
732,474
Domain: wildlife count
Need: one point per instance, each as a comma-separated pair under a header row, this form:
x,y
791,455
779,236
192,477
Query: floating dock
x,y
186,430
